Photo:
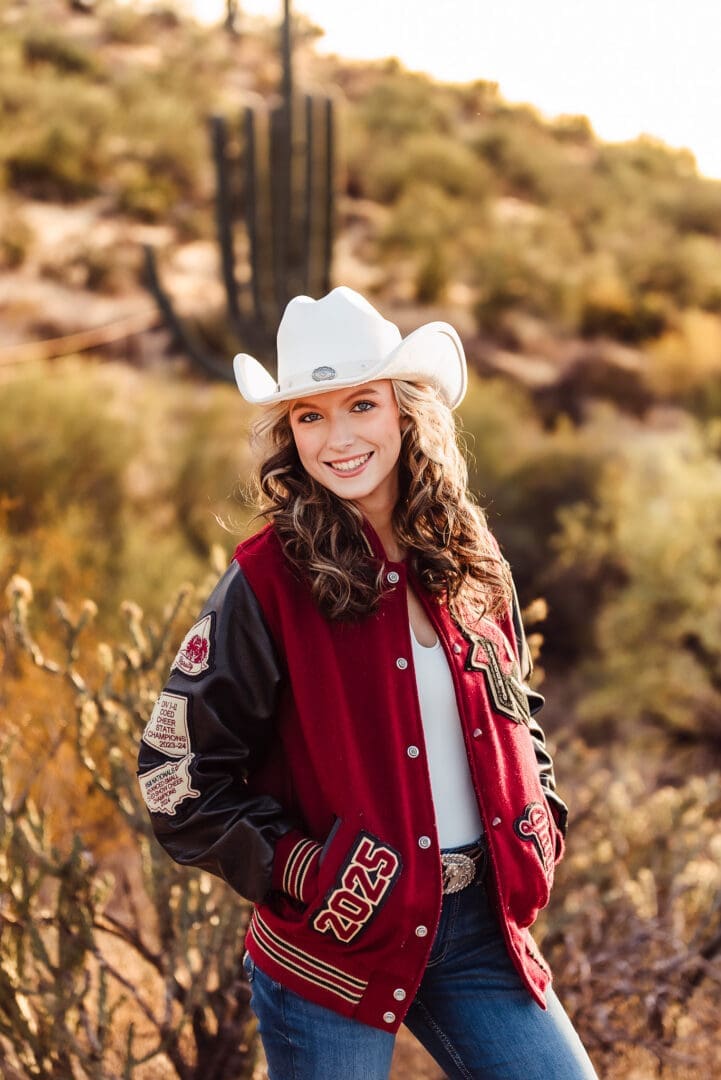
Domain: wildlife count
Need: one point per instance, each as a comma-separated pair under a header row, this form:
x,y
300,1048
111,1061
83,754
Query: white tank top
x,y
457,816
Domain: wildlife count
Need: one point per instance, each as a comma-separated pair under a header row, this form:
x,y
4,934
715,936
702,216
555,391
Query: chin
x,y
351,492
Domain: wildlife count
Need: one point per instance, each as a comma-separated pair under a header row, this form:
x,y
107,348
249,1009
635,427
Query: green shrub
x,y
478,98
526,159
687,356
112,480
167,138
210,467
510,274
573,129
424,216
655,518
635,164
75,123
401,103
69,56
609,309
430,231
526,259
126,25
58,163
61,477
61,445
431,159
55,144
694,207
143,195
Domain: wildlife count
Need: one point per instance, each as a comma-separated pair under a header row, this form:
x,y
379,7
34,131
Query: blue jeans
x,y
472,1013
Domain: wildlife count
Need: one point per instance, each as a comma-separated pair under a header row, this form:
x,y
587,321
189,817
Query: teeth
x,y
348,466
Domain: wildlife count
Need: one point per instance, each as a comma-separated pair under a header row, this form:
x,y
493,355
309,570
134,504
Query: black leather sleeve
x,y
536,702
211,727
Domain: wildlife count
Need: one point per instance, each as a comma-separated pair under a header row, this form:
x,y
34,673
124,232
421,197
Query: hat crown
x,y
341,331
342,341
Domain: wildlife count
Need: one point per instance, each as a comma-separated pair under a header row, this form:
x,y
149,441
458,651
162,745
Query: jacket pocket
x,y
532,864
354,881
337,825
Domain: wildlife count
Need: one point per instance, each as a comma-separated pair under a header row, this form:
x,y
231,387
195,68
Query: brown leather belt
x,y
460,869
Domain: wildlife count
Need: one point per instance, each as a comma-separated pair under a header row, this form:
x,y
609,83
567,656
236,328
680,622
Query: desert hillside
x,y
585,279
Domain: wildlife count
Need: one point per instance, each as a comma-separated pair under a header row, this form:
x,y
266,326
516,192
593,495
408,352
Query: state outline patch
x,y
168,785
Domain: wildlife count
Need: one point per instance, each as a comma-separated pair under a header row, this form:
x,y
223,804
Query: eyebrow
x,y
356,391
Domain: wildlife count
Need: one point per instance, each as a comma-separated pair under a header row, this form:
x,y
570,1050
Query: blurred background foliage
x,y
586,281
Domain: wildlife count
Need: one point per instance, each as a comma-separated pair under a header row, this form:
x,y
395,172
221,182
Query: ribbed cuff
x,y
295,865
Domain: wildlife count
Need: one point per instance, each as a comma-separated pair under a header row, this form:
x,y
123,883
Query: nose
x,y
340,433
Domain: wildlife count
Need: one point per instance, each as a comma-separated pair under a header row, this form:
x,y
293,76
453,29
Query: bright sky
x,y
631,66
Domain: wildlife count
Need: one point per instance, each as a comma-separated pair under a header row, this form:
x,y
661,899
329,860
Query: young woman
x,y
347,736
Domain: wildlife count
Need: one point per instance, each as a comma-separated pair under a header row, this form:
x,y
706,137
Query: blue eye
x,y
363,406
309,417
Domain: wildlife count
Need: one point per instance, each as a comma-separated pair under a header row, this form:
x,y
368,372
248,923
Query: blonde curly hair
x,y
445,533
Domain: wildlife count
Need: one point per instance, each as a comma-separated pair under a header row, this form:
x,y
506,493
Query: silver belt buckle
x,y
458,871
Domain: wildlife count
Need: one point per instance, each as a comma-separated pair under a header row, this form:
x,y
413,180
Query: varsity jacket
x,y
286,755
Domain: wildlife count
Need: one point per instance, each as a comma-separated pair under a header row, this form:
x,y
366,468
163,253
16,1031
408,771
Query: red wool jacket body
x,y
286,755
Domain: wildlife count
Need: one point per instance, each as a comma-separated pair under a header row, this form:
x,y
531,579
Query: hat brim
x,y
433,353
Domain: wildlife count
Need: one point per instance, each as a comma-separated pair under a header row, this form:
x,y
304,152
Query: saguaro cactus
x,y
286,188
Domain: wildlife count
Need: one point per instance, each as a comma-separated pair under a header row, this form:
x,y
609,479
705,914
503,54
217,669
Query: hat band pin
x,y
322,374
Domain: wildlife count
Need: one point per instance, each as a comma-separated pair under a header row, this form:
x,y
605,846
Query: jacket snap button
x,y
401,663
399,994
496,821
393,577
413,751
477,733
421,931
424,842
389,1017
457,648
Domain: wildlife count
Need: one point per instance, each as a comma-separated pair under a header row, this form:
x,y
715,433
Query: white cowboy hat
x,y
341,340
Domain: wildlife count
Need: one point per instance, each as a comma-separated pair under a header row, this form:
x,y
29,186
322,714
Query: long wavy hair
x,y
435,519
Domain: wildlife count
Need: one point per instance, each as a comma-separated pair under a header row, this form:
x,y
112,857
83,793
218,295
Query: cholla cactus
x,y
98,972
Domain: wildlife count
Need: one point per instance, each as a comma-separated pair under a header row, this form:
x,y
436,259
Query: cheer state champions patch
x,y
167,729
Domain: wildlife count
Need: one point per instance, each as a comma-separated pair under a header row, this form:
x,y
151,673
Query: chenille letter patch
x,y
534,826
361,887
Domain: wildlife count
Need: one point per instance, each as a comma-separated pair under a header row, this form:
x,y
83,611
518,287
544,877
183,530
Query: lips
x,y
350,465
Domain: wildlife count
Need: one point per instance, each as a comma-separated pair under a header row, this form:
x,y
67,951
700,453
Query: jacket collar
x,y
374,545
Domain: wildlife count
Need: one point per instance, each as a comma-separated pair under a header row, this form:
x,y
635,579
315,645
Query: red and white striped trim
x,y
300,862
304,965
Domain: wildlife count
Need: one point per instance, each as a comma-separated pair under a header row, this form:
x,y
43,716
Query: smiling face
x,y
349,440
